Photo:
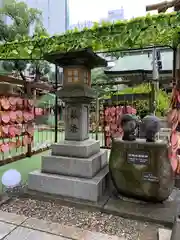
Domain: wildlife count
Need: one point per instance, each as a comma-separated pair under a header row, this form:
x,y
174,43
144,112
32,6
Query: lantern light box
x,y
80,75
77,65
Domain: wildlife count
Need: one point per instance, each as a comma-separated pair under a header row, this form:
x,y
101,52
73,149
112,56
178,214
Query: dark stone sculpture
x,y
141,169
129,124
150,126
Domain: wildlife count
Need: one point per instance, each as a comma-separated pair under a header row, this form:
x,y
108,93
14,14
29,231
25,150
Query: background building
x,y
112,16
1,5
115,15
55,14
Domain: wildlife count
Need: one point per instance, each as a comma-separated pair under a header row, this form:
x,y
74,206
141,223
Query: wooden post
x,y
177,73
177,84
154,83
152,101
29,94
97,117
56,105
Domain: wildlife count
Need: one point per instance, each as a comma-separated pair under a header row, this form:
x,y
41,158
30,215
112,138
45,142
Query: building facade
x,y
115,15
55,14
112,16
3,18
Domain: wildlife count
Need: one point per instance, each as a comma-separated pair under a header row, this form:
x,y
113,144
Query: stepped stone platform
x,y
74,169
74,166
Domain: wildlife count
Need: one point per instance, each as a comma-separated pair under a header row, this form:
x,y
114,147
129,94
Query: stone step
x,y
81,149
67,186
76,167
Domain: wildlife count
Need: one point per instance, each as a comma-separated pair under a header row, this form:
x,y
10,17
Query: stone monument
x,y
129,124
151,126
77,167
141,168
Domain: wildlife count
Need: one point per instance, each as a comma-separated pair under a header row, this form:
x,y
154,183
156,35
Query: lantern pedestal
x,y
77,167
73,176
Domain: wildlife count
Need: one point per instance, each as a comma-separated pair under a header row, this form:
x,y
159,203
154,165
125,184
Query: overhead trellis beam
x,y
161,29
164,6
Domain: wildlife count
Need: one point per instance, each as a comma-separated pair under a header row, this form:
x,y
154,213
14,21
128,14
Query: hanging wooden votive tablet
x,y
5,103
5,117
12,101
12,116
12,131
5,130
20,103
19,116
5,147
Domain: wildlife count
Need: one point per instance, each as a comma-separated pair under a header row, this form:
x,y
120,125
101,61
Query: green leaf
x,y
161,29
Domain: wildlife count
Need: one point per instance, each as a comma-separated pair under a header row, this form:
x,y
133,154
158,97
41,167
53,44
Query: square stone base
x,y
80,188
81,149
73,166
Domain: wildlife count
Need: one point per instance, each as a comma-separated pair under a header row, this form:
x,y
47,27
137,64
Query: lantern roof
x,y
82,57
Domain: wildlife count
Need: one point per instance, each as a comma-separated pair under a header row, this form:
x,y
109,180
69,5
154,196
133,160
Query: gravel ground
x,y
93,221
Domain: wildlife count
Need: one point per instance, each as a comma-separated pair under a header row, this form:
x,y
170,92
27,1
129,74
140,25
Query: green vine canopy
x,y
151,30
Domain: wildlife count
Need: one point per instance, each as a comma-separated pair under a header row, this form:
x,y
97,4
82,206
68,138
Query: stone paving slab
x,y
5,229
149,233
22,233
11,218
71,232
164,234
13,226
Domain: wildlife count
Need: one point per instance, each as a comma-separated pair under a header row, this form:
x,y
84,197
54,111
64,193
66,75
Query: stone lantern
x,y
78,160
77,92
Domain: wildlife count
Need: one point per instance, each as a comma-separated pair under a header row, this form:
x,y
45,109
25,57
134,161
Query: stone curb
x,y
159,216
67,232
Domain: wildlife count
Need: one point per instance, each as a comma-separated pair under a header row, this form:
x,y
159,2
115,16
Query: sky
x,y
81,10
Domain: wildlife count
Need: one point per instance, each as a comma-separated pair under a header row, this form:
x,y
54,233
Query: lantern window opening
x,y
86,77
75,73
70,79
72,75
75,79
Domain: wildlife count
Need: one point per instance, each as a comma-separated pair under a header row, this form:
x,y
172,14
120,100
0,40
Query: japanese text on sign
x,y
138,158
150,177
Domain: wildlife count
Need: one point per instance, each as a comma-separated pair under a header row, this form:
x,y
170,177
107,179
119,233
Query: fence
x,y
20,135
104,124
